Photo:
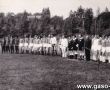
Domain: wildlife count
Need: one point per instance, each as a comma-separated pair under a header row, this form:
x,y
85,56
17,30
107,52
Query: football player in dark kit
x,y
87,44
72,46
81,47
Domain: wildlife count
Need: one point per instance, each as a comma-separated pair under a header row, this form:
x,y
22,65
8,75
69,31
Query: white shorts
x,y
21,45
48,45
107,49
103,49
44,44
30,46
25,46
35,47
39,45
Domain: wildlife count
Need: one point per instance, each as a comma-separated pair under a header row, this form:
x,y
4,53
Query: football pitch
x,y
37,72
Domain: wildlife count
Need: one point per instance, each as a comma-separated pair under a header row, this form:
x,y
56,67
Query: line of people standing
x,y
72,46
101,48
10,45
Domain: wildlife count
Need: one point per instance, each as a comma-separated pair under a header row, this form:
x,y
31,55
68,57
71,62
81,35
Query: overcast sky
x,y
57,7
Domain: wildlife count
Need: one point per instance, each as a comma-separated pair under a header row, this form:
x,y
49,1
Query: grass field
x,y
36,72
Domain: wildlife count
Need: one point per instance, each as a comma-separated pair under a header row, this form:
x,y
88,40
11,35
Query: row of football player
x,y
46,45
54,45
100,48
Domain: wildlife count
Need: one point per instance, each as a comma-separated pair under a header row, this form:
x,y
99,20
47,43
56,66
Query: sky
x,y
57,7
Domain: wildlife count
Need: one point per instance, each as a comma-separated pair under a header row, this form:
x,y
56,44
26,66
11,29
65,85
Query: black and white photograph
x,y
54,44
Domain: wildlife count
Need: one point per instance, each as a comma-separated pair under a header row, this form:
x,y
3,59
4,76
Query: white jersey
x,y
53,40
96,48
47,44
108,45
30,43
25,42
21,42
108,49
103,49
95,44
64,42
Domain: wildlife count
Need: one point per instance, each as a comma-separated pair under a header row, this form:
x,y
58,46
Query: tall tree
x,y
57,23
2,21
88,20
45,20
103,21
25,23
106,9
98,12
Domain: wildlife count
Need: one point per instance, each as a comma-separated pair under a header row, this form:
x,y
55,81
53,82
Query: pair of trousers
x,y
64,53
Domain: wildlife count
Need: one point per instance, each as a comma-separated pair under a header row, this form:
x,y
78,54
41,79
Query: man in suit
x,y
88,43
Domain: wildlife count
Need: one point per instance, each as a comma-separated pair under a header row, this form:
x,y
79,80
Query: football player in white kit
x,y
25,44
39,45
53,42
59,46
30,45
64,45
35,45
96,47
44,45
103,50
21,45
108,49
47,45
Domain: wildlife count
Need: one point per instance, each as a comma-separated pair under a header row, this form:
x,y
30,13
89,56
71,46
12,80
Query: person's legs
x,y
17,49
87,52
52,49
13,49
2,48
63,51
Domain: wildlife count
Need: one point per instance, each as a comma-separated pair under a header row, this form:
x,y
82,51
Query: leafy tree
x,y
103,21
88,20
2,22
106,9
57,23
80,14
45,21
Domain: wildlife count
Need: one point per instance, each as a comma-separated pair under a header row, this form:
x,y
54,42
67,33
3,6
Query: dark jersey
x,y
72,45
81,43
13,41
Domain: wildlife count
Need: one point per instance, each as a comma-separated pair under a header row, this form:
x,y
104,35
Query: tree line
x,y
80,21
